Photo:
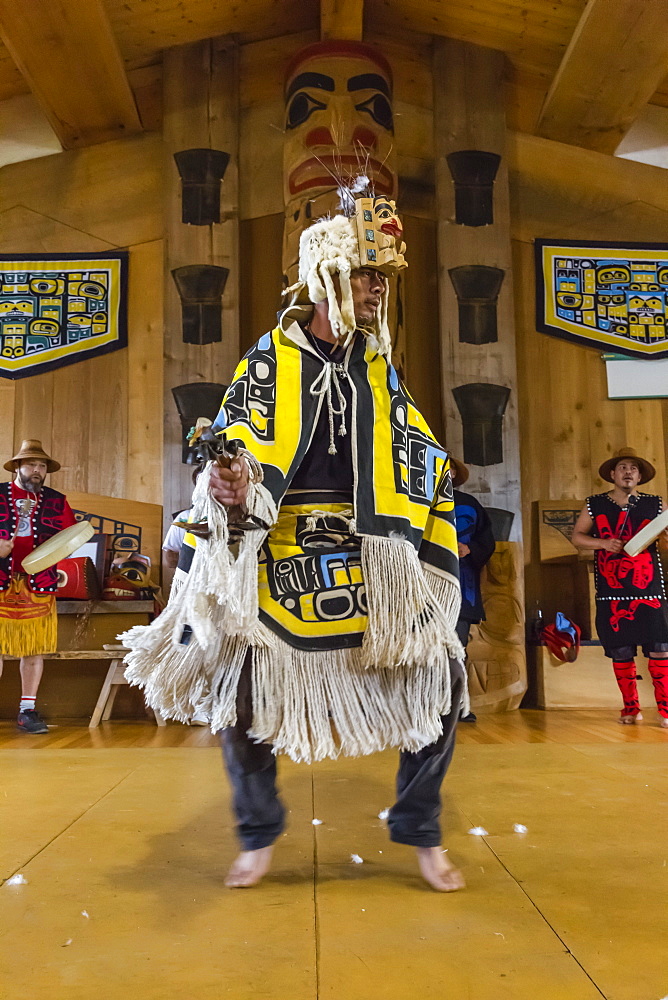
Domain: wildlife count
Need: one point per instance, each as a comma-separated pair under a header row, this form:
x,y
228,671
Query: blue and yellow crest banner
x,y
59,309
613,296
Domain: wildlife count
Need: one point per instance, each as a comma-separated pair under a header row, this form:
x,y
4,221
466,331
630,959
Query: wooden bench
x,y
114,679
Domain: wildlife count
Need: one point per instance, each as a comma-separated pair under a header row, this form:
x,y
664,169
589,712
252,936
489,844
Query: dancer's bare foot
x,y
440,873
664,722
248,868
630,720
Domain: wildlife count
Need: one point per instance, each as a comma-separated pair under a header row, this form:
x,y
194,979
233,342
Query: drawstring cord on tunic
x,y
322,386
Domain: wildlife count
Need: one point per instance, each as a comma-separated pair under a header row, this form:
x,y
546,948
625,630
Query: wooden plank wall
x,y
101,418
568,425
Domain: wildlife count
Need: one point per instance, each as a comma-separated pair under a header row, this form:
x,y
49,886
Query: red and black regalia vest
x,y
630,592
47,520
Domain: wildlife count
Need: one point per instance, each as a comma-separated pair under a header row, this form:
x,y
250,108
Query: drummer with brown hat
x,y
30,513
631,608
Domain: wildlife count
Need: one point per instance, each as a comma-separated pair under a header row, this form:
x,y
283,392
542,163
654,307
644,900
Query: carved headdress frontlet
x,y
367,233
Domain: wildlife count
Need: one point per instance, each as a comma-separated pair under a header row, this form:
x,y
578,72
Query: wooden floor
x,y
124,854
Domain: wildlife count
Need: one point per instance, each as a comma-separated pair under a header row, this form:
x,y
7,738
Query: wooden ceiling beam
x,y
613,65
68,55
342,19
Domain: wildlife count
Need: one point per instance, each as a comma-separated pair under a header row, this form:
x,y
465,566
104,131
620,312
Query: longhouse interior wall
x,y
101,418
568,426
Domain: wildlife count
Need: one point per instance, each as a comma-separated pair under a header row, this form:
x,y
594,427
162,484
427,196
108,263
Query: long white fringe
x,y
412,612
309,705
216,577
449,599
312,705
179,680
218,600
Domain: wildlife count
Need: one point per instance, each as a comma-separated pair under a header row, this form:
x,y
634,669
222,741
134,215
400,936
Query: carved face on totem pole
x,y
338,124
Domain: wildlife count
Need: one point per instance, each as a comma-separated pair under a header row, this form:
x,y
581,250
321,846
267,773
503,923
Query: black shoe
x,y
468,718
30,721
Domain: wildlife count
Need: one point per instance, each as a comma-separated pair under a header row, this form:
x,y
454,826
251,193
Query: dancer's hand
x,y
6,546
612,544
463,549
230,486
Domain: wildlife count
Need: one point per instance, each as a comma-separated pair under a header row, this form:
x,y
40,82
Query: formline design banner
x,y
613,296
57,309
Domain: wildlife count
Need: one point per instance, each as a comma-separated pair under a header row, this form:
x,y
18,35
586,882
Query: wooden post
x,y
479,371
469,115
201,110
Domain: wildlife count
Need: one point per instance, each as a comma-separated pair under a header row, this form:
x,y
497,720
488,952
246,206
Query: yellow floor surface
x,y
124,834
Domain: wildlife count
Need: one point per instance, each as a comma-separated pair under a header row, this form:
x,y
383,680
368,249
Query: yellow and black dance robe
x,y
355,602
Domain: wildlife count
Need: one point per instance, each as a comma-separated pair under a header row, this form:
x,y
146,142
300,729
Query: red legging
x,y
658,669
625,674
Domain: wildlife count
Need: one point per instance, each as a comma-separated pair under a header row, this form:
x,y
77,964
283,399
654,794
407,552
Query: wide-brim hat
x,y
647,470
458,471
31,448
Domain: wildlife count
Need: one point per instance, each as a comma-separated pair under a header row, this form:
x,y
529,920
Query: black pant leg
x,y
415,817
463,630
251,769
